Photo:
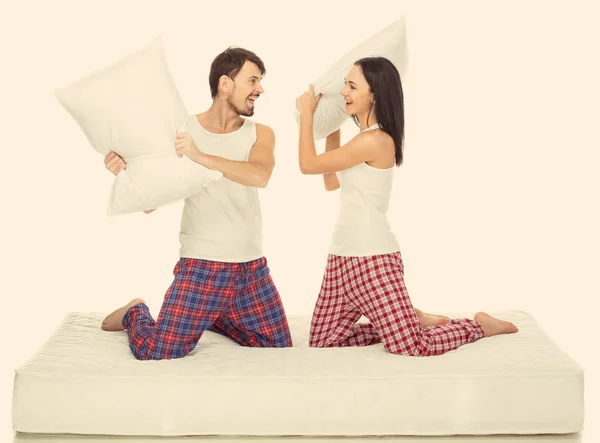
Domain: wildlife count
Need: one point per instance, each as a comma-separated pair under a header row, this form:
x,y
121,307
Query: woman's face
x,y
357,92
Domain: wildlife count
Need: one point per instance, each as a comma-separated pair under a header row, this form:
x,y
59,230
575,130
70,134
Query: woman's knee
x,y
395,348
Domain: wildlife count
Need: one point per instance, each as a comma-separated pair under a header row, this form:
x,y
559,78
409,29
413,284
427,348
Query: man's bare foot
x,y
431,319
493,326
114,321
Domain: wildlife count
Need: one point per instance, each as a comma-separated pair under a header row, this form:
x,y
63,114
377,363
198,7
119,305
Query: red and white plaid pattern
x,y
374,287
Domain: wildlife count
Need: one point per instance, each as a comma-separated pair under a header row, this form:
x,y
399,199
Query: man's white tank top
x,y
362,228
222,222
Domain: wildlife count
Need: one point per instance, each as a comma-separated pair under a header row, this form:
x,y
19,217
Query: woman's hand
x,y
307,102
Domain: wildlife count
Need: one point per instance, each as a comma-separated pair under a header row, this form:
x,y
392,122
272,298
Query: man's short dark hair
x,y
229,63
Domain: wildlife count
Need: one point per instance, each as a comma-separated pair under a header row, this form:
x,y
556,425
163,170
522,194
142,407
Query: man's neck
x,y
220,118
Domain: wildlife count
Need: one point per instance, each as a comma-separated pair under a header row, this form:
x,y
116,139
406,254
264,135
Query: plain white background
x,y
495,208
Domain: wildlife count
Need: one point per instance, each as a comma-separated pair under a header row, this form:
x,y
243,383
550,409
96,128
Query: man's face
x,y
246,89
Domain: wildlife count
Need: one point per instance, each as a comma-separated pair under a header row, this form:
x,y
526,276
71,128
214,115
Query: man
x,y
222,282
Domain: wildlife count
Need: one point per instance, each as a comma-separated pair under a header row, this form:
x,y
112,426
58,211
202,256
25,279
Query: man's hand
x,y
184,145
114,163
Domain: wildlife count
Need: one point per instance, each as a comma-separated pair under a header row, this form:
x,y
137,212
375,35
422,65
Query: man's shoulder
x,y
264,132
263,127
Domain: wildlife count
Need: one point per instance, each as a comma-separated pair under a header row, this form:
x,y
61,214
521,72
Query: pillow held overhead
x,y
330,113
134,109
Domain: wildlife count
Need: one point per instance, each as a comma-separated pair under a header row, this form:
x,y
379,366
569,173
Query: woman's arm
x,y
332,142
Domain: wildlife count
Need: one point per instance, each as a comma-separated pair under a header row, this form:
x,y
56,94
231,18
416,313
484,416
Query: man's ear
x,y
224,83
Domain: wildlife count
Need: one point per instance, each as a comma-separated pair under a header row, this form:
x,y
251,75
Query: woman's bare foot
x,y
114,321
431,319
493,326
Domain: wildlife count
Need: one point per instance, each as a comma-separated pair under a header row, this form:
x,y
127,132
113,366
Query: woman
x,y
365,273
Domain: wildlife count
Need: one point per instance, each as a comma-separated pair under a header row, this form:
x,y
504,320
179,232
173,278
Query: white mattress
x,y
86,381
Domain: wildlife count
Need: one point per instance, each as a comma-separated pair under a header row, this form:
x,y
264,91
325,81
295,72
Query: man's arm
x,y
256,172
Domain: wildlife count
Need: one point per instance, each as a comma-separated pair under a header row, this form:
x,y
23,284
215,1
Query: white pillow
x,y
330,113
134,109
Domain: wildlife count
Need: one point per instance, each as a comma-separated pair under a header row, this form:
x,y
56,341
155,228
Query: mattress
x,y
86,381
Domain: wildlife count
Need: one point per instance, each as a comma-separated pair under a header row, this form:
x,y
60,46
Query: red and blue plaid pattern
x,y
374,287
238,300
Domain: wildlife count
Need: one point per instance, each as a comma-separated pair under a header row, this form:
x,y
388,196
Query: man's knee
x,y
144,355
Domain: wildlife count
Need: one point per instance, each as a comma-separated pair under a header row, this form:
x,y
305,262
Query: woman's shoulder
x,y
374,138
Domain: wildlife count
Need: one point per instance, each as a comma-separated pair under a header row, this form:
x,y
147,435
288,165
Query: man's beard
x,y
245,112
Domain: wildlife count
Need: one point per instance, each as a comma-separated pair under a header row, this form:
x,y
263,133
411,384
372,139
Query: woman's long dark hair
x,y
385,84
